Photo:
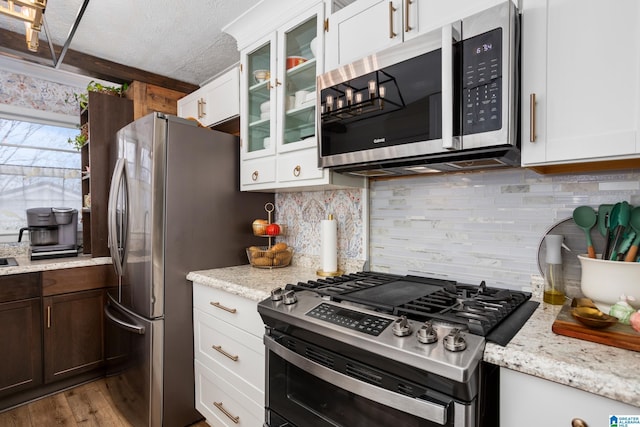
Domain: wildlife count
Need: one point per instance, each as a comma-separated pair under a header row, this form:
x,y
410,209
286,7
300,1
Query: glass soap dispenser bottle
x,y
553,277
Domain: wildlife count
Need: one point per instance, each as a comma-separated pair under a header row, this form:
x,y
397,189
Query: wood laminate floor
x,y
87,405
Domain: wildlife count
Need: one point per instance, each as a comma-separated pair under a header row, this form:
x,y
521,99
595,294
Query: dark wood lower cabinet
x,y
20,346
51,331
73,334
20,333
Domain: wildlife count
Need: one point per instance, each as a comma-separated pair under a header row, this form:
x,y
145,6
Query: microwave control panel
x,y
482,83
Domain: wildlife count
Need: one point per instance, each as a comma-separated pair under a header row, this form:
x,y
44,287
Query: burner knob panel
x,y
426,334
290,298
454,341
401,327
276,294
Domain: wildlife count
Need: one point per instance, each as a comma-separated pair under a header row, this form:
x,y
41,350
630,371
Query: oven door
x,y
304,393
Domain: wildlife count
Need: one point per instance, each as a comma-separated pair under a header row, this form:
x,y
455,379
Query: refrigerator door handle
x,y
136,329
117,246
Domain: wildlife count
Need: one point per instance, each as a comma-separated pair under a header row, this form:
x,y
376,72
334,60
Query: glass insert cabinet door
x,y
260,102
298,67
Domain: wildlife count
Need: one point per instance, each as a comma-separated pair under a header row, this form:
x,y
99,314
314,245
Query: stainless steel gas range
x,y
372,349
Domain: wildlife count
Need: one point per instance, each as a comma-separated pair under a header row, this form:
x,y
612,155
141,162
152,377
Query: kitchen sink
x,y
8,262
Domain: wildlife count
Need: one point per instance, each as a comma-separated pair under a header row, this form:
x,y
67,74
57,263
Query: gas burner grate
x,y
479,307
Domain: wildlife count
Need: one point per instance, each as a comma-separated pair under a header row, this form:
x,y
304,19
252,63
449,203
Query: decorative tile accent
x,y
30,92
302,213
482,225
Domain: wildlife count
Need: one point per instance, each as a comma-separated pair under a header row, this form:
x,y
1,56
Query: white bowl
x,y
261,75
265,107
605,281
264,116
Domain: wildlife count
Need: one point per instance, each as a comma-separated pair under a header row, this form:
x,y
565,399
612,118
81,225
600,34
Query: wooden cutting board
x,y
618,335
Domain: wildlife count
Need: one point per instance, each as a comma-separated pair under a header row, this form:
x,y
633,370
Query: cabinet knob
x,y
297,170
254,176
578,422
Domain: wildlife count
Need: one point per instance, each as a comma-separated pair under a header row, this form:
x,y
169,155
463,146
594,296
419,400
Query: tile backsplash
x,y
465,226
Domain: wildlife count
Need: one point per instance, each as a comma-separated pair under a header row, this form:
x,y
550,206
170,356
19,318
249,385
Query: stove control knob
x,y
401,327
290,298
276,294
454,341
426,334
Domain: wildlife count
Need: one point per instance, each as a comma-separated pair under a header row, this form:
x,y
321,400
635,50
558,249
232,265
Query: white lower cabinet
x,y
528,401
222,404
229,358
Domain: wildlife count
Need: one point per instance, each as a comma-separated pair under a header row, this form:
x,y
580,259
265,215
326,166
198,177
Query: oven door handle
x,y
420,408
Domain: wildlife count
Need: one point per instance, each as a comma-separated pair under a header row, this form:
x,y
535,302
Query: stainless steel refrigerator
x,y
174,207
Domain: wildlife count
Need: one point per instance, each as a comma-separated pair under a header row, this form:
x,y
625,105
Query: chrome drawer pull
x,y
218,405
222,307
219,349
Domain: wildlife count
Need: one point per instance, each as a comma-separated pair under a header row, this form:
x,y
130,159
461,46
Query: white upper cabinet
x,y
367,26
278,128
215,102
580,81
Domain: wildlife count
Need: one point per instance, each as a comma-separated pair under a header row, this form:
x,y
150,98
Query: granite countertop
x,y
26,265
603,370
600,369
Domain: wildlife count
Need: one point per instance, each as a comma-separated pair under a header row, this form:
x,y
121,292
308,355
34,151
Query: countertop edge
x,y
25,265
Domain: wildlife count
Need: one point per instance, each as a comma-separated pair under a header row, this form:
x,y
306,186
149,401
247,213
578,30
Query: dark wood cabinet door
x,y
73,333
20,346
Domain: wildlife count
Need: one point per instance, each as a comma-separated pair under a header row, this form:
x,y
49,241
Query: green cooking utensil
x,y
585,218
604,216
634,222
619,221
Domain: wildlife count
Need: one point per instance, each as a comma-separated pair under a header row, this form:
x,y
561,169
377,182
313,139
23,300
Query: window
x,y
38,168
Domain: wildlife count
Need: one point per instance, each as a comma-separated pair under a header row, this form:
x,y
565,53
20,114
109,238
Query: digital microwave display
x,y
482,83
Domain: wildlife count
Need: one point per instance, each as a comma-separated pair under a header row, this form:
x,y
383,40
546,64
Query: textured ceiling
x,y
180,39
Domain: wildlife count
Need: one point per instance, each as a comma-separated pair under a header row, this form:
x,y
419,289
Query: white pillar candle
x,y
329,245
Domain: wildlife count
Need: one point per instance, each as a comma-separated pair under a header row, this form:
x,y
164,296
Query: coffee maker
x,y
53,232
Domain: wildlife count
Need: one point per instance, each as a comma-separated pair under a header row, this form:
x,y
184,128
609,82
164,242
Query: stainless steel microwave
x,y
446,100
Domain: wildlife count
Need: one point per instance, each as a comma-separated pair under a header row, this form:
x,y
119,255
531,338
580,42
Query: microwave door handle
x,y
451,34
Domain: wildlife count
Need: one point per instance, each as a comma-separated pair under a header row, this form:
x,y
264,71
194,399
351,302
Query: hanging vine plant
x,y
83,101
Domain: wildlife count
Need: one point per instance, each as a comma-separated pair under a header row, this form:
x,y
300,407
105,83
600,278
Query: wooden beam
x,y
13,44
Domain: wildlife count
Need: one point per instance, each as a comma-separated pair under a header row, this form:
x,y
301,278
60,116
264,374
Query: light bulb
x,y
372,88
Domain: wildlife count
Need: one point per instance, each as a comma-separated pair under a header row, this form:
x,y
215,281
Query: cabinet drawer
x,y
258,171
298,166
221,346
55,282
236,310
16,287
214,396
